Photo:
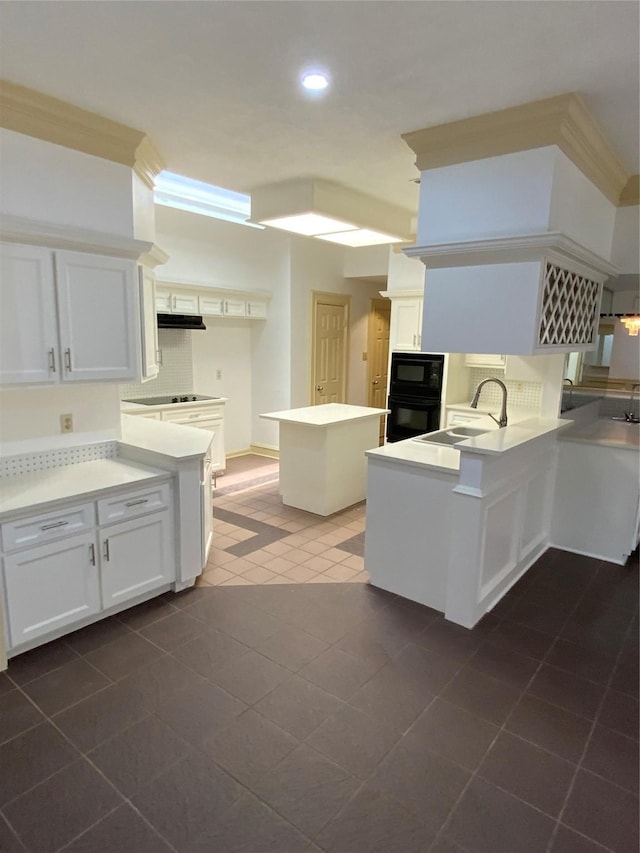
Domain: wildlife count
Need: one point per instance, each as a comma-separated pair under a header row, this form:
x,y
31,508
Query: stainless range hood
x,y
180,321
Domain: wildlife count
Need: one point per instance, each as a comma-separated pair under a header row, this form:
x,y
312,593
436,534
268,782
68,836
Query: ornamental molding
x,y
17,229
562,120
552,245
34,114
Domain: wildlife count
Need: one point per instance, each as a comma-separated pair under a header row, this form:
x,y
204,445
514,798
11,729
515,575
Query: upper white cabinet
x,y
67,316
148,324
210,302
405,332
483,359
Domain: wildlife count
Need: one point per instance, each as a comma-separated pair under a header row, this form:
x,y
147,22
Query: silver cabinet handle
x,y
248,309
52,360
67,359
92,554
175,302
55,524
105,550
136,503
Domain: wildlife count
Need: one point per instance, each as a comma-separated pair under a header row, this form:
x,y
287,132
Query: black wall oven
x,y
415,389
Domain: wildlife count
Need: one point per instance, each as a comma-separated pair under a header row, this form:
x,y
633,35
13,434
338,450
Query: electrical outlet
x,y
518,386
66,423
218,374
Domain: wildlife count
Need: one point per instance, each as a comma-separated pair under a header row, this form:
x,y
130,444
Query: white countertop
x,y
324,415
174,441
607,433
36,491
417,454
496,441
136,407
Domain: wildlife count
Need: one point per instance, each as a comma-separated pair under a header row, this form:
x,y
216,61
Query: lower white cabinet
x,y
64,579
135,557
51,586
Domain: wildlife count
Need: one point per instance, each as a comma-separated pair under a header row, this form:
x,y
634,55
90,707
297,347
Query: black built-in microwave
x,y
416,374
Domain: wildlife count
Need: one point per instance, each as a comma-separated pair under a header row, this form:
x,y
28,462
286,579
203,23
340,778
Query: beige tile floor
x,y
278,544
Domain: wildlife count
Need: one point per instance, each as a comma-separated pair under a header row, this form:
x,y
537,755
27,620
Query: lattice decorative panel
x,y
27,463
569,308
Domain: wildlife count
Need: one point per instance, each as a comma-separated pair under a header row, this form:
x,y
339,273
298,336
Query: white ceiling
x,y
215,86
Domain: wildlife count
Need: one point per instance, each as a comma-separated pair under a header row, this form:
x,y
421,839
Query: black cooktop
x,y
165,401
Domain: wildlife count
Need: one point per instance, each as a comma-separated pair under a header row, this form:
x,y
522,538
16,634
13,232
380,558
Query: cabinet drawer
x,y
193,417
39,529
133,504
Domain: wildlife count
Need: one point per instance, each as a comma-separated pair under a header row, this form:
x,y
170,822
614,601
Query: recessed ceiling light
x,y
315,81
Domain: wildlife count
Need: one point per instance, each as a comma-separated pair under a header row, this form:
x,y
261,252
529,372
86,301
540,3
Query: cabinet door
x,y
482,359
51,586
235,308
184,303
207,507
256,309
98,317
163,301
211,306
148,324
406,323
28,333
137,556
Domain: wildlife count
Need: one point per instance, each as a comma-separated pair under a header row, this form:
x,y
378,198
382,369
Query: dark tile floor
x,y
333,717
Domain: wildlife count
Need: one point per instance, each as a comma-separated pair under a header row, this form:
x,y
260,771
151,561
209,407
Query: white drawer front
x,y
39,529
192,417
133,504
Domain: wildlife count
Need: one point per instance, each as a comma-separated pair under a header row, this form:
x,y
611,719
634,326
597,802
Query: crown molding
x,y
16,229
402,294
155,257
505,250
630,195
562,120
34,114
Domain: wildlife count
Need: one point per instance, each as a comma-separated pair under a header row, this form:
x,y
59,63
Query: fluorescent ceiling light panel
x,y
171,190
360,237
309,224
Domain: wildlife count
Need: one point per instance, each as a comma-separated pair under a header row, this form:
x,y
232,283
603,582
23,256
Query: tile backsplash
x,y
176,369
522,395
26,463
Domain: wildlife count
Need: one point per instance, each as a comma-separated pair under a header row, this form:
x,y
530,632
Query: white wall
x,y
405,273
626,239
30,418
319,266
625,354
254,356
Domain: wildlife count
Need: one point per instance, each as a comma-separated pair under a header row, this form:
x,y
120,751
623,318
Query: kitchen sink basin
x,y
450,436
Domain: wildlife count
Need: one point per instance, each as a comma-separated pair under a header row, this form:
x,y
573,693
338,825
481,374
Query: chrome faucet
x,y
630,416
502,420
570,381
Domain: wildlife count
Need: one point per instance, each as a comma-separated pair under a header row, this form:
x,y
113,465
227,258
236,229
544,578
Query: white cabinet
x,y
206,497
51,586
163,301
136,556
406,324
256,309
234,307
184,303
211,306
208,417
95,300
148,324
467,418
481,359
53,580
210,302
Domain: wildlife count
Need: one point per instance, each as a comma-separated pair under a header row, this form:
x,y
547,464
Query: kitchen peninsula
x,y
323,468
453,527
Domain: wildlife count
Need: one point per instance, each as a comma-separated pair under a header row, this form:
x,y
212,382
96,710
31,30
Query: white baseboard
x,y
256,450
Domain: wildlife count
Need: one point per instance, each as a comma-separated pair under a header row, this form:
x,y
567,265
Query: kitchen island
x,y
323,468
454,527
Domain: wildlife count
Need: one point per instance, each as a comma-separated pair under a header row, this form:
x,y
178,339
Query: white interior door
x,y
330,336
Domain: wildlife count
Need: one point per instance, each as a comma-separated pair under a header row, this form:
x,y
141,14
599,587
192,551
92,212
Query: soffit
x,y
214,84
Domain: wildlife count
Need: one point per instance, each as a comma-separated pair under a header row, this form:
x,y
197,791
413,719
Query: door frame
x,y
379,300
340,300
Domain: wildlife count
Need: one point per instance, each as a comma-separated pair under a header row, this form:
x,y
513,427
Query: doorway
x,y
329,347
378,357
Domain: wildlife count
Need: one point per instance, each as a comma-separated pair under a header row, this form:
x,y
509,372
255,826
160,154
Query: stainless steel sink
x,y
467,431
450,436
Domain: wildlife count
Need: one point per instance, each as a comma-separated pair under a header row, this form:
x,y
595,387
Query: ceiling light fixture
x,y
171,190
631,324
328,211
315,81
